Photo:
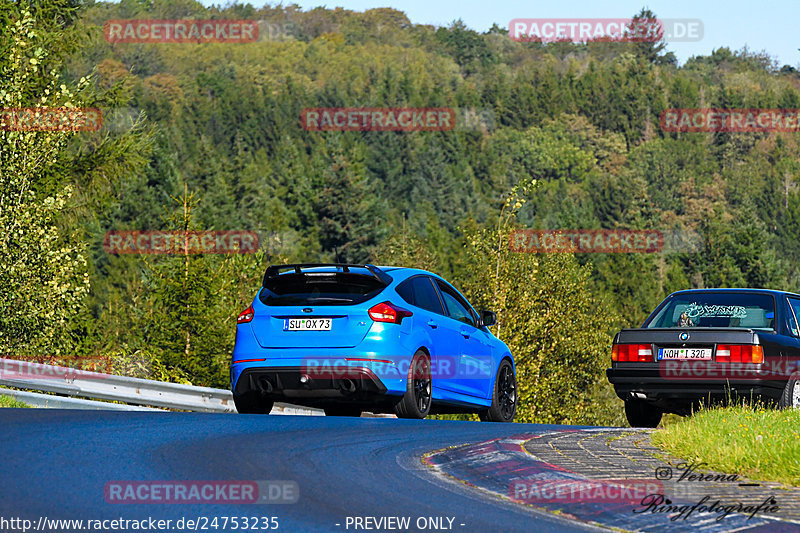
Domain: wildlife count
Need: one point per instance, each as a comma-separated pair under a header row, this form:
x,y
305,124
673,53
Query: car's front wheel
x,y
791,393
252,404
504,396
416,402
641,414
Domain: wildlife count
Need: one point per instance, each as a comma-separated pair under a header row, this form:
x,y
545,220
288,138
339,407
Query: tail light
x,y
632,352
740,353
246,315
388,312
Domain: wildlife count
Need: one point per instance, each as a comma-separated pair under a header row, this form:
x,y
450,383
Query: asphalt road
x,y
56,465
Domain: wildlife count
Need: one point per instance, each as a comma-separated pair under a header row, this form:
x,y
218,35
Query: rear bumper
x,y
296,385
648,382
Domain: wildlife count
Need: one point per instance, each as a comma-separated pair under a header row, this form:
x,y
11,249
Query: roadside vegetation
x,y
208,136
7,401
753,441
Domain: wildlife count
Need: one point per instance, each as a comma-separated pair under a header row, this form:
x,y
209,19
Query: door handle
x,y
465,333
433,324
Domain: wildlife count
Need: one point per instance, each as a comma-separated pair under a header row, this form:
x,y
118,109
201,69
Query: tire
x,y
641,414
252,404
504,395
416,402
791,393
342,410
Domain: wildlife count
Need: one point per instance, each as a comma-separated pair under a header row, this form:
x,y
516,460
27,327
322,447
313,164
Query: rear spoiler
x,y
273,271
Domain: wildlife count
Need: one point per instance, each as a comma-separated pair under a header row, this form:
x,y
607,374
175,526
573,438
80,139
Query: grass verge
x,y
7,401
759,443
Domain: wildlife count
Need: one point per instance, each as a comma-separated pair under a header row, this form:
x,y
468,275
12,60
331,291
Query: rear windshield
x,y
717,310
320,288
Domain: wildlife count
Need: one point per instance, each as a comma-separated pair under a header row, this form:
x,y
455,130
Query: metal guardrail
x,y
71,382
35,399
68,383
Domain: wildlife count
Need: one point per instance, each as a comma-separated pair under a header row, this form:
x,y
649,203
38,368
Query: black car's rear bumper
x,y
649,382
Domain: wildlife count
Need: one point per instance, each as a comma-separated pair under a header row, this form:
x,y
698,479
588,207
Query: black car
x,y
709,346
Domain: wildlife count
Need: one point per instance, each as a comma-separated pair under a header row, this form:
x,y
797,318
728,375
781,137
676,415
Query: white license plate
x,y
684,353
307,324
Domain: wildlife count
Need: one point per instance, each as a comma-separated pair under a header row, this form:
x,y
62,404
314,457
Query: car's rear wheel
x,y
504,395
416,402
342,410
252,404
641,414
791,393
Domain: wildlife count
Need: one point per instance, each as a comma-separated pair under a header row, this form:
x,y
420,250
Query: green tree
x,y
557,330
44,271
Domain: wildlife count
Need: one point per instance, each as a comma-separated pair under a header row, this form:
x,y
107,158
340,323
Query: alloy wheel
x,y
507,392
422,384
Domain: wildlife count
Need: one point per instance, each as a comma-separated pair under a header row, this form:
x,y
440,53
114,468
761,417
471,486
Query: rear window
x,y
717,310
320,288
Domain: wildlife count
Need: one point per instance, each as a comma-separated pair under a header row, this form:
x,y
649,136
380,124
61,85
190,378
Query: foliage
x,y
43,273
546,314
747,440
7,401
222,121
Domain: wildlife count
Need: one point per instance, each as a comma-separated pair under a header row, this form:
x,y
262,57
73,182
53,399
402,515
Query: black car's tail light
x,y
632,353
740,353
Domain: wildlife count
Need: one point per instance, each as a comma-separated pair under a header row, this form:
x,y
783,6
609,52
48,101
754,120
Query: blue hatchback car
x,y
352,338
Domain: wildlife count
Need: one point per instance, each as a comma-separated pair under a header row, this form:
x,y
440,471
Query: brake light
x,y
641,353
387,312
740,353
246,315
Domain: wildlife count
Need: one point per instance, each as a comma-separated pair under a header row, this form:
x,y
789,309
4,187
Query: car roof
x,y
398,273
773,292
407,272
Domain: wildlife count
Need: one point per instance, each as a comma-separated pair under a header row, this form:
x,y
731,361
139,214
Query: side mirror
x,y
488,318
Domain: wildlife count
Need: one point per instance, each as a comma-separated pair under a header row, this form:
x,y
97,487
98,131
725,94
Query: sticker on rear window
x,y
684,321
733,311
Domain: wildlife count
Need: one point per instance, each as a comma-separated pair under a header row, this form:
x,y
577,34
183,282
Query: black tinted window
x,y
320,288
456,307
794,313
423,294
406,292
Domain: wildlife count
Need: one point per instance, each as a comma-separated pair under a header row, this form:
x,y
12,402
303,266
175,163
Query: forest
x,y
210,136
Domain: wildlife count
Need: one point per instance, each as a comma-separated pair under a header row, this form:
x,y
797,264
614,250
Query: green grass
x,y
762,444
7,401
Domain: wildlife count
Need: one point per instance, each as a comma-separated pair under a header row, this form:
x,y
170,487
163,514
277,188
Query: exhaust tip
x,y
347,385
265,385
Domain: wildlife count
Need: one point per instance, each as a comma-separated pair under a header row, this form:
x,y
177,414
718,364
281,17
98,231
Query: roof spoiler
x,y
274,270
